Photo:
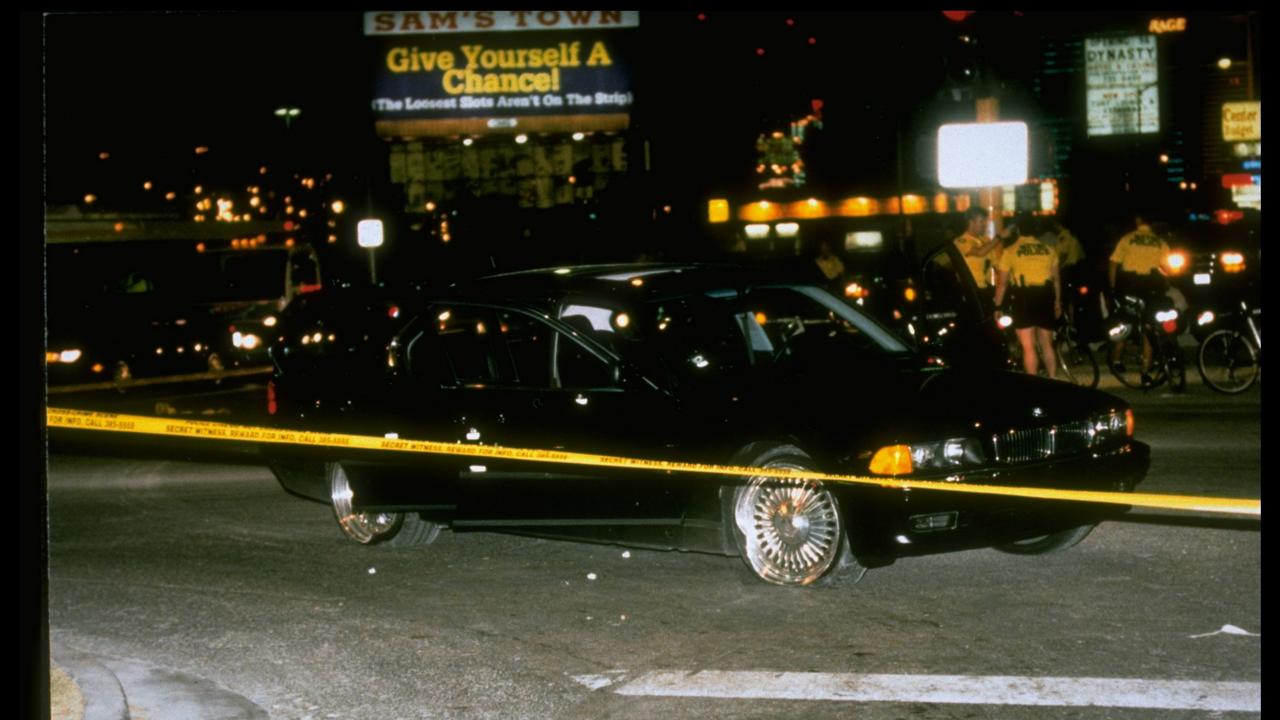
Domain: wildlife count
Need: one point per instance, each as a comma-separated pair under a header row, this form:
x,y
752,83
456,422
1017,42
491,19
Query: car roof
x,y
629,282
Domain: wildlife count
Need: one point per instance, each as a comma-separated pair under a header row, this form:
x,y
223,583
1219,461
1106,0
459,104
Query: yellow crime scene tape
x,y
140,424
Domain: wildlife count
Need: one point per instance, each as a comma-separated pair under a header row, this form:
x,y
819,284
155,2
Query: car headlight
x,y
1205,318
1167,316
1177,261
1110,426
1232,261
952,454
65,356
248,341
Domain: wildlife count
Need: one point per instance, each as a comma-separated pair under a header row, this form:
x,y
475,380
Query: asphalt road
x,y
212,571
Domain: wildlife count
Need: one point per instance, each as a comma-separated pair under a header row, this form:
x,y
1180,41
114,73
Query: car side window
x,y
577,367
469,338
783,321
528,346
423,356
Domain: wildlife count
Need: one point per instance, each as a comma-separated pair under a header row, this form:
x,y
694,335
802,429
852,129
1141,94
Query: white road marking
x,y
595,682
1226,630
959,689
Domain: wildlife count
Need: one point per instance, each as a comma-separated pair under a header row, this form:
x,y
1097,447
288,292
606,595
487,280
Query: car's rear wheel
x,y
1053,542
790,530
396,529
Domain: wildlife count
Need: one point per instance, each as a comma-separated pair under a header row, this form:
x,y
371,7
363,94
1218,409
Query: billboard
x,y
476,72
975,155
1241,121
1122,85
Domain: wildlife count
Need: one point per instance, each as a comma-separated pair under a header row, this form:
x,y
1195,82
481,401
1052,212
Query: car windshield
x,y
717,332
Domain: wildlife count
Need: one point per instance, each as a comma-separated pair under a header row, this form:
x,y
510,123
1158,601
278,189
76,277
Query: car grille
x,y
1019,446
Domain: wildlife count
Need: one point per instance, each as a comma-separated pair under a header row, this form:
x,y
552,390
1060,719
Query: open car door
x,y
951,319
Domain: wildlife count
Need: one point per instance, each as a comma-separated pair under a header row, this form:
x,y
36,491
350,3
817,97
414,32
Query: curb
x,y
112,686
103,694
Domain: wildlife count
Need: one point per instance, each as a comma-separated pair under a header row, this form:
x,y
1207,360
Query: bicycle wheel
x,y
1076,363
1228,362
1127,368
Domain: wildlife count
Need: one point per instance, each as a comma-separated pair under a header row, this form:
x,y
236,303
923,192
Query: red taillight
x,y
1084,289
271,398
393,312
1170,326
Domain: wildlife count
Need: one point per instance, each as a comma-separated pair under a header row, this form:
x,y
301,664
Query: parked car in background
x,y
692,363
129,312
1215,264
111,319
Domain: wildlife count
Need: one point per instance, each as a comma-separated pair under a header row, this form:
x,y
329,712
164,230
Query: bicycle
x,y
1138,326
1076,363
1230,358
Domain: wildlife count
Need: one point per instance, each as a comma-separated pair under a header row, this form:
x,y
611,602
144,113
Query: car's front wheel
x,y
396,529
790,530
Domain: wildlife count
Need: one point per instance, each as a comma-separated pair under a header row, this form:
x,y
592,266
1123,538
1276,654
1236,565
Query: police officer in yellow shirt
x,y
977,249
1031,268
1138,262
1138,268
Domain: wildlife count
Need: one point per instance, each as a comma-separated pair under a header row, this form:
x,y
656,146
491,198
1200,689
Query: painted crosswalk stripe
x,y
958,689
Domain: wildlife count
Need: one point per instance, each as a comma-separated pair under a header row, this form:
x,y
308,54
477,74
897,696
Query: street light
x,y
288,113
369,235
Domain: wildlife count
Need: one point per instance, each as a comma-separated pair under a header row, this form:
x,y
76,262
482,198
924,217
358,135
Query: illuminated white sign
x,y
1121,85
1247,196
1241,121
978,155
865,240
369,233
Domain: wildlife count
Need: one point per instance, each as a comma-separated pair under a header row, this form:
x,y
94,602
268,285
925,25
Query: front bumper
x,y
894,523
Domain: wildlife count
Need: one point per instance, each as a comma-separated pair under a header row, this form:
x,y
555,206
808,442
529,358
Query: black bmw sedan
x,y
692,363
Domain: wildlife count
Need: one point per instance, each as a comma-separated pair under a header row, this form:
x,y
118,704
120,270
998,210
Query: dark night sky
x,y
149,87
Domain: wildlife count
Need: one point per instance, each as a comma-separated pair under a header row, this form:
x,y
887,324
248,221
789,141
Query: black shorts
x,y
1032,307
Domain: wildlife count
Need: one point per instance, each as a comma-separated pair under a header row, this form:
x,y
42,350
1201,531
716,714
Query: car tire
x,y
394,529
789,531
1053,542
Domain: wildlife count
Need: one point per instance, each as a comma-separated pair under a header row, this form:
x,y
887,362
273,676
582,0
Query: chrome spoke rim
x,y
791,529
363,527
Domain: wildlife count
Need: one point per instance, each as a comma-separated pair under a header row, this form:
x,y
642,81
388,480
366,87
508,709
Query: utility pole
x,y
991,198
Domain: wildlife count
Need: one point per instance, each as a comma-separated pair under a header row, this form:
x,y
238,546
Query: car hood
x,y
874,406
1002,400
